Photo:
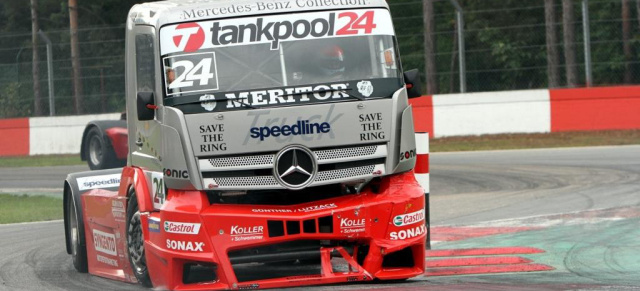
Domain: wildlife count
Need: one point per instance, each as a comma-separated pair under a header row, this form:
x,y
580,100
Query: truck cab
x,y
259,132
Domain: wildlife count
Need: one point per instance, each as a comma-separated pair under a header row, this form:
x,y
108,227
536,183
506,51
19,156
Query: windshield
x,y
280,60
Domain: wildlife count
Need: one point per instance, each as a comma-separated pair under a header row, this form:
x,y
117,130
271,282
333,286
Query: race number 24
x,y
194,72
357,23
157,188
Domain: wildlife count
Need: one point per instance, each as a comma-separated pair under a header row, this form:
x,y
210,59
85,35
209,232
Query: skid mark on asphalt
x,y
595,247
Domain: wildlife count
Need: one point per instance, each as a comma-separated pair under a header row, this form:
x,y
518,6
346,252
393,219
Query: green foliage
x,y
12,101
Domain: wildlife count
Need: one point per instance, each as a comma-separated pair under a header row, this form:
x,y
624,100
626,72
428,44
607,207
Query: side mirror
x,y
412,79
146,106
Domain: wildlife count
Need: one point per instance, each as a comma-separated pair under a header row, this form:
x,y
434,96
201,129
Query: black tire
x,y
77,241
135,242
99,155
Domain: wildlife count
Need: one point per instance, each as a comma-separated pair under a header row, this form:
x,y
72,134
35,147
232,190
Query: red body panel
x,y
365,218
119,140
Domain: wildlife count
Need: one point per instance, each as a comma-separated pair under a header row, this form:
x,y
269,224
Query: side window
x,y
145,63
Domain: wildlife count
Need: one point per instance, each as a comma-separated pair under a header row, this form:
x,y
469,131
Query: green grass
x,y
14,208
541,140
40,161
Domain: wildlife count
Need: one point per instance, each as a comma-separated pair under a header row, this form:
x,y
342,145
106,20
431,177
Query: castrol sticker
x,y
181,227
409,218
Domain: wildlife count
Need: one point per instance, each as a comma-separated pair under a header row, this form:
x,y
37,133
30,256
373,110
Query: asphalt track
x,y
552,219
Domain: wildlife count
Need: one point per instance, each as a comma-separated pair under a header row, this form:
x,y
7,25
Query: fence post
x,y
587,42
461,49
52,102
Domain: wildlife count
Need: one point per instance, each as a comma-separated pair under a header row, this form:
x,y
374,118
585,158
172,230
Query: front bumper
x,y
351,238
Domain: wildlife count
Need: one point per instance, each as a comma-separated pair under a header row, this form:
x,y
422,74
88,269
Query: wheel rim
x,y
73,223
136,243
95,150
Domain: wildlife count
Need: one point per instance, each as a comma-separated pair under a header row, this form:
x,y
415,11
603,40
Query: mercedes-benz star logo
x,y
295,167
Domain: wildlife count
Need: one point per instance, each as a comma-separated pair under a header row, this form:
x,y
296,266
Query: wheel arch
x,y
138,182
69,193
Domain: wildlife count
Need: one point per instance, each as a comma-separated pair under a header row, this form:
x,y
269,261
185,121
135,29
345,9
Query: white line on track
x,y
32,222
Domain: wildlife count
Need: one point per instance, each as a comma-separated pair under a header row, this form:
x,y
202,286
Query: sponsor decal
x,y
302,127
371,125
409,218
273,29
181,227
303,209
272,210
99,182
189,37
289,95
154,224
108,261
208,106
348,225
406,155
408,233
317,207
365,88
104,242
117,209
188,246
179,174
158,190
239,233
213,138
267,7
249,286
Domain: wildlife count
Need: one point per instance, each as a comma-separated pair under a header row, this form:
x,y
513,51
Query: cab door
x,y
145,138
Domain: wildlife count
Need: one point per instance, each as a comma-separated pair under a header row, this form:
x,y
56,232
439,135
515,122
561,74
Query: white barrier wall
x,y
526,111
60,134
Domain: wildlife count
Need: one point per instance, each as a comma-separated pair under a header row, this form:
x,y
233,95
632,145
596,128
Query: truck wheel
x,y
99,155
135,242
78,246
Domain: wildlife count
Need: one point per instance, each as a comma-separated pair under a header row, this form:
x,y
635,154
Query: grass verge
x,y
537,140
24,208
40,161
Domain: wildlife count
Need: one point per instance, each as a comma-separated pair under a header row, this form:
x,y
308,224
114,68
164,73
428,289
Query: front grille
x,y
345,153
349,172
246,181
336,165
240,161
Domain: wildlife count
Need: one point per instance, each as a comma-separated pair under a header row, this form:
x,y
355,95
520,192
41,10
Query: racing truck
x,y
260,133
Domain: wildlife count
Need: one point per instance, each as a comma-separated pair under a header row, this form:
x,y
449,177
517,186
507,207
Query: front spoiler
x,y
366,219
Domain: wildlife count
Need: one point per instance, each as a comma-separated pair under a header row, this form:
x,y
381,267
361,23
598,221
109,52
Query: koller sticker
x,y
240,233
348,225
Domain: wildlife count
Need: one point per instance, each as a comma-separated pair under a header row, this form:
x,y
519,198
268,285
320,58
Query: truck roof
x,y
174,11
